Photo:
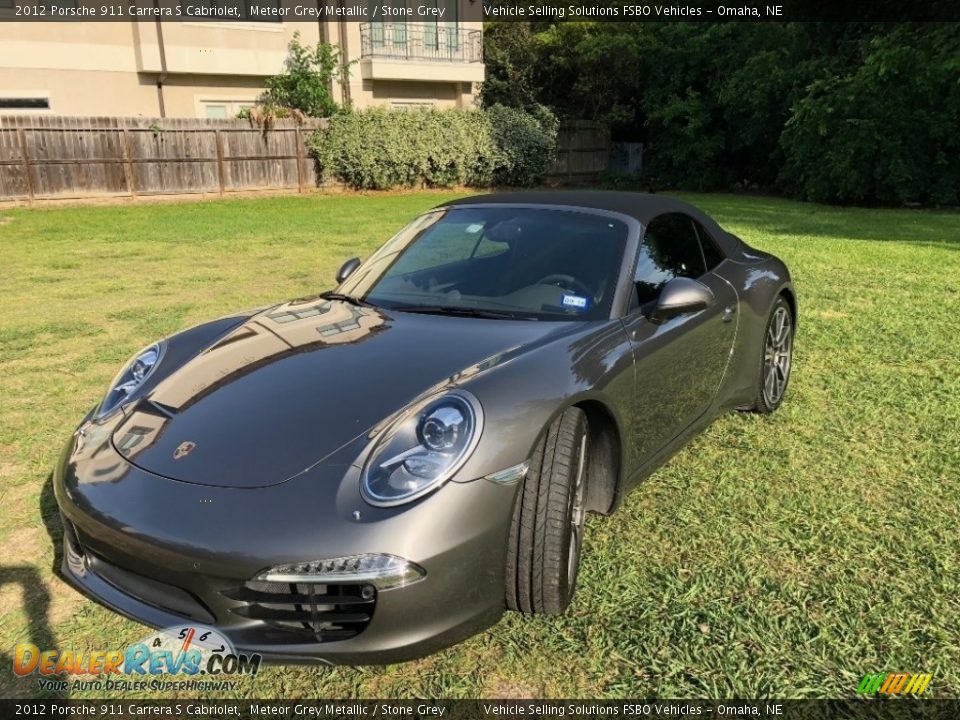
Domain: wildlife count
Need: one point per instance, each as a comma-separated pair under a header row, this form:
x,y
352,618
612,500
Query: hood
x,y
295,383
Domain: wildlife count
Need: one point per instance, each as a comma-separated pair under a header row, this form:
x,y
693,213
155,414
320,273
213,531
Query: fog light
x,y
382,571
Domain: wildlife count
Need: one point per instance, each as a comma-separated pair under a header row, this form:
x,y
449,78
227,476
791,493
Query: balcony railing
x,y
429,42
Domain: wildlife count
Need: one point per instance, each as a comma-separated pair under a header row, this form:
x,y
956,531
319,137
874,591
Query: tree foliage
x,y
306,83
837,112
888,132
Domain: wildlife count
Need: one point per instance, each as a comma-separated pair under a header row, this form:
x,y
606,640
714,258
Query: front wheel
x,y
546,532
777,358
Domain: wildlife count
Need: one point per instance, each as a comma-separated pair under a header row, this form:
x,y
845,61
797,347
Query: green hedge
x,y
377,149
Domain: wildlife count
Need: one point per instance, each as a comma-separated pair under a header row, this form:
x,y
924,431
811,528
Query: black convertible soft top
x,y
642,206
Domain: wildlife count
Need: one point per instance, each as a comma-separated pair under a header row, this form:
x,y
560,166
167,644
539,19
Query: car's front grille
x,y
325,612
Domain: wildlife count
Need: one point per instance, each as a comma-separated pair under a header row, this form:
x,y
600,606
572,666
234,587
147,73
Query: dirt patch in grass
x,y
23,545
8,471
512,689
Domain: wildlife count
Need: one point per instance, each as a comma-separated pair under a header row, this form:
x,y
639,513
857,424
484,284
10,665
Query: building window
x,y
216,112
412,104
224,109
392,31
24,103
441,35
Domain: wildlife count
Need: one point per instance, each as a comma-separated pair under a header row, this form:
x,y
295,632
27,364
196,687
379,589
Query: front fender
x,y
521,398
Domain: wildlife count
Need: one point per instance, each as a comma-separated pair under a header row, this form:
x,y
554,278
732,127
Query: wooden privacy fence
x,y
583,154
53,157
50,157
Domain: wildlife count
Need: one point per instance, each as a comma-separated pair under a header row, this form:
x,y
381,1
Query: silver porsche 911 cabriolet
x,y
379,471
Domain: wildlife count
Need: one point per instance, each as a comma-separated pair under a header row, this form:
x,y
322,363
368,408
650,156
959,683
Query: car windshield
x,y
512,262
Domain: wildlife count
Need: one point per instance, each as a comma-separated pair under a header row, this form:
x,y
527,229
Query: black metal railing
x,y
421,41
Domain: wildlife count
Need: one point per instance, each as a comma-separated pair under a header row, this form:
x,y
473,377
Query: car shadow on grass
x,y
36,602
36,605
50,514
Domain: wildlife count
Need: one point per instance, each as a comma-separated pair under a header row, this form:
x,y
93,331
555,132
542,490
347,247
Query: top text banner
x,y
442,11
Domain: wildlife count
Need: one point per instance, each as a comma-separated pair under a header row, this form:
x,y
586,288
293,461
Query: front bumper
x,y
164,552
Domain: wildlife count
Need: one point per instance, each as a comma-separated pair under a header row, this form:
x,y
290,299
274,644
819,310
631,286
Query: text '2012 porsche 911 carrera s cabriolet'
x,y
377,472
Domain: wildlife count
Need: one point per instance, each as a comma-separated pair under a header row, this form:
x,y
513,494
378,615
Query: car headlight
x,y
130,378
422,449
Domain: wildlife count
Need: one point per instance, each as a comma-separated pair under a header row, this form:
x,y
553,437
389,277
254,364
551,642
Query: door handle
x,y
728,312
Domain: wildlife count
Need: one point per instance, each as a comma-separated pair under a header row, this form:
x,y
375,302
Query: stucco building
x,y
214,69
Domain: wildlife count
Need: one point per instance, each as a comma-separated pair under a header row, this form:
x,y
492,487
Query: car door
x,y
679,362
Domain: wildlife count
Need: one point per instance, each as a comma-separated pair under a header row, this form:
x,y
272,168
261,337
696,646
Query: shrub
x,y
377,149
525,145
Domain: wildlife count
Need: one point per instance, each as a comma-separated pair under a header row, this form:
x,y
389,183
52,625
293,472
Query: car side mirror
x,y
681,296
347,269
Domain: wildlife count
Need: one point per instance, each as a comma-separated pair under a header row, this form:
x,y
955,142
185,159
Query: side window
x,y
670,249
711,253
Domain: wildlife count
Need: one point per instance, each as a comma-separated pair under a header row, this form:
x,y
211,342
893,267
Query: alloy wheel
x,y
578,514
777,356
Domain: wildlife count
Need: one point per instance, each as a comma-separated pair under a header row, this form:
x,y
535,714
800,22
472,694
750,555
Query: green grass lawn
x,y
784,556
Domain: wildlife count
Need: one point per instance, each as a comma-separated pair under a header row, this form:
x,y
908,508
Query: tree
x,y
837,112
510,57
307,81
885,131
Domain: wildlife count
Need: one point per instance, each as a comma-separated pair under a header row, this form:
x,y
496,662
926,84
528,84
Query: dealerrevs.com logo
x,y
187,651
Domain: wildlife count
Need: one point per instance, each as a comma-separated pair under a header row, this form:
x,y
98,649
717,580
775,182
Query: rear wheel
x,y
776,360
546,533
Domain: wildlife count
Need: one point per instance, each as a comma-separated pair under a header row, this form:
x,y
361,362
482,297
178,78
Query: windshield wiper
x,y
462,311
332,295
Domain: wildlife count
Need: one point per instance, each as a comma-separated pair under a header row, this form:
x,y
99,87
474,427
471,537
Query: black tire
x,y
547,528
776,359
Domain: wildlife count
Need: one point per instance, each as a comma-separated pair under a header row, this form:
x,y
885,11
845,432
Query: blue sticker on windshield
x,y
576,302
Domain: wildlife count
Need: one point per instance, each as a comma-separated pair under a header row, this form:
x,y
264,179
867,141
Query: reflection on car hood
x,y
293,384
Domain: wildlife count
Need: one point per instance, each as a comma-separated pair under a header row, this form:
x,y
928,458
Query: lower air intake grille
x,y
325,612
